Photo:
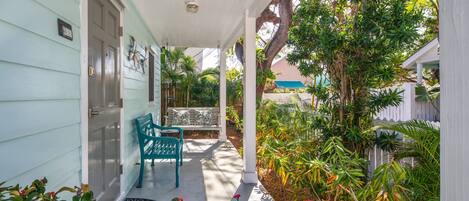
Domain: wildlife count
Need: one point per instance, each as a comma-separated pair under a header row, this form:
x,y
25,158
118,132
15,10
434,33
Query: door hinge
x,y
121,169
121,103
121,31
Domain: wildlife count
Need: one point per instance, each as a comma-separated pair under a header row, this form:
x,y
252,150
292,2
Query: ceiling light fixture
x,y
192,6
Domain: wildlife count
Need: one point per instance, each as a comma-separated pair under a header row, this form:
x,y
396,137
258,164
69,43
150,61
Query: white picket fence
x,y
409,108
377,156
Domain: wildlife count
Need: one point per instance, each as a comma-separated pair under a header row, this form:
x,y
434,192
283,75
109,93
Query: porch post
x,y
454,72
419,73
249,109
222,102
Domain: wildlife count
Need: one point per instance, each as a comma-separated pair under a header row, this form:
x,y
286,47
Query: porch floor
x,y
211,171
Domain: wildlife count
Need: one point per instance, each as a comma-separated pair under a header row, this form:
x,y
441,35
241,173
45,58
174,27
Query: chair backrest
x,y
144,125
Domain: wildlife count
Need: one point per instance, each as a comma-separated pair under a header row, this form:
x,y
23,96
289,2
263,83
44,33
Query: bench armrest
x,y
180,130
164,140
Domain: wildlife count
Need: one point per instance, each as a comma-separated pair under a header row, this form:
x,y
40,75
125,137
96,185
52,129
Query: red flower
x,y
180,199
52,194
236,196
22,192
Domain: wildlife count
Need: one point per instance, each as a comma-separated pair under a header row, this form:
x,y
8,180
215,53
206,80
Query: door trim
x,y
121,6
84,88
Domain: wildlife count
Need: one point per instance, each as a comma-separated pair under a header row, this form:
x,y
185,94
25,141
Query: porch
x,y
212,171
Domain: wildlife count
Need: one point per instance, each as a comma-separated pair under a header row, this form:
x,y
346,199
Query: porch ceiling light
x,y
192,6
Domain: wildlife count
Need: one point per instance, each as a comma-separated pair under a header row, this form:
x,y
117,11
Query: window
x,y
151,78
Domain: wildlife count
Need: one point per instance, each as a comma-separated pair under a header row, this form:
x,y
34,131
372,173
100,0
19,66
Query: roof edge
x,y
412,59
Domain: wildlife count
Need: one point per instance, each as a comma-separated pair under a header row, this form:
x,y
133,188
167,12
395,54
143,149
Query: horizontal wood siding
x,y
39,93
135,92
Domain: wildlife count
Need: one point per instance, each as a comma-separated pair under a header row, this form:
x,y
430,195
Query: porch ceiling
x,y
218,22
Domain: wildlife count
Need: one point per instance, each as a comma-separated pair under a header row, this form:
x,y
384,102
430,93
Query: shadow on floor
x,y
211,171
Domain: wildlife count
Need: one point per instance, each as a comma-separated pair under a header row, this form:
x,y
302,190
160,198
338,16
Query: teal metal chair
x,y
157,147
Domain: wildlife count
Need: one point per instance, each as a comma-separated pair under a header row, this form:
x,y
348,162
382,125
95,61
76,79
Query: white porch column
x,y
454,72
419,73
222,102
249,109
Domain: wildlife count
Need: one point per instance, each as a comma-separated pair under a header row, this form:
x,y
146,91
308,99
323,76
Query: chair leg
x,y
181,154
177,172
140,177
152,162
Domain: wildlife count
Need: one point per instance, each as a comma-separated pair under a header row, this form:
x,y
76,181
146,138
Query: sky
x,y
211,59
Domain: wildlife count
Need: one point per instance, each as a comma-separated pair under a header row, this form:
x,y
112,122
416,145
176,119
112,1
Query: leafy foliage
x,y
179,71
359,45
387,141
37,191
428,94
388,181
233,116
234,86
424,178
291,145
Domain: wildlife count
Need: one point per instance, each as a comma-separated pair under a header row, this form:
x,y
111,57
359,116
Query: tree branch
x,y
274,45
266,16
281,35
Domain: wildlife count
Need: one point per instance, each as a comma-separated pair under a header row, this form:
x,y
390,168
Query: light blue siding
x,y
135,93
39,93
30,83
29,48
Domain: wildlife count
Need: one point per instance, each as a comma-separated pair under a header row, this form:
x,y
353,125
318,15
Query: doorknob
x,y
91,71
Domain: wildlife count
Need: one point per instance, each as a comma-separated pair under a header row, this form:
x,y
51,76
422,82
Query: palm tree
x,y
171,73
175,58
187,66
424,178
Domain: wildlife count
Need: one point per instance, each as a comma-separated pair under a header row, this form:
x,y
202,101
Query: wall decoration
x,y
138,55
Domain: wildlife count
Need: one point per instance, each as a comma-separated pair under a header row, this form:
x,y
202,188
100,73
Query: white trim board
x,y
84,89
413,59
121,7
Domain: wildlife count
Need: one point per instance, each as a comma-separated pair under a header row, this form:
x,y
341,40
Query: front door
x,y
103,100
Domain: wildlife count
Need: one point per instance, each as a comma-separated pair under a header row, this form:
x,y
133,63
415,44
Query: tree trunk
x,y
278,41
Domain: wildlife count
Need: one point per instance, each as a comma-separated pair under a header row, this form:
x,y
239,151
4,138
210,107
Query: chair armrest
x,y
164,140
180,130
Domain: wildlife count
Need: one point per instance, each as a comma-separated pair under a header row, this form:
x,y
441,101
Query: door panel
x,y
111,78
103,100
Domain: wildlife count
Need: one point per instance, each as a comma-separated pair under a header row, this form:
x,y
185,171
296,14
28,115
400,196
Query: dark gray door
x,y
103,100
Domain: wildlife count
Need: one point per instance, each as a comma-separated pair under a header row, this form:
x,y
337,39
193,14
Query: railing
x,y
409,108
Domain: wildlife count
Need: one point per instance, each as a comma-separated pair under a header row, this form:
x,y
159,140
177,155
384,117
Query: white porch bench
x,y
193,118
